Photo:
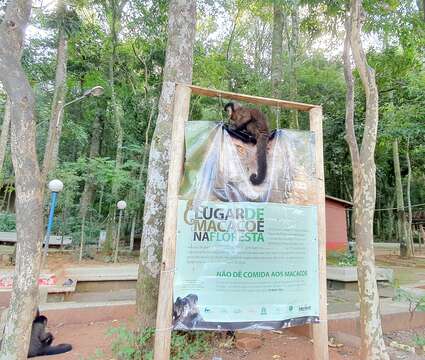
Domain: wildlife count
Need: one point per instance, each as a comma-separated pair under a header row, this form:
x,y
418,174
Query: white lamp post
x,y
55,136
55,186
95,91
121,205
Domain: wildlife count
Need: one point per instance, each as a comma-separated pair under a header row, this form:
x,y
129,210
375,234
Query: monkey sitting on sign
x,y
255,122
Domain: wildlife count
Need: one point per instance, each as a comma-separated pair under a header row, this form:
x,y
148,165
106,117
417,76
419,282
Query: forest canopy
x,y
104,144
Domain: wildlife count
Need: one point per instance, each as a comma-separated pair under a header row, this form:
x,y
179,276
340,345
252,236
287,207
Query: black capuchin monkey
x,y
41,341
255,122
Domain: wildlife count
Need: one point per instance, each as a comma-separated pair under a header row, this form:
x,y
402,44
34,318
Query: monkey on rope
x,y
255,122
41,341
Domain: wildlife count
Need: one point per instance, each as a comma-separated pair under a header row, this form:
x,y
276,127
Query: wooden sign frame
x,y
182,97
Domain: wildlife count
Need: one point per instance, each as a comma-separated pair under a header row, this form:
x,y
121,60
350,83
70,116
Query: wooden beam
x,y
165,297
197,90
320,330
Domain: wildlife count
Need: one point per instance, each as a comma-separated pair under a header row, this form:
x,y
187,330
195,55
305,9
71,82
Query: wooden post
x,y
165,297
422,231
320,331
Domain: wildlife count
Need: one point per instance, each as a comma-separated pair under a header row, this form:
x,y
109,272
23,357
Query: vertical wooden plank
x,y
320,331
165,298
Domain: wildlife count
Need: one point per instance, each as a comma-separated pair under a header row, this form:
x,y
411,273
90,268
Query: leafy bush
x,y
416,302
7,222
134,345
342,259
419,340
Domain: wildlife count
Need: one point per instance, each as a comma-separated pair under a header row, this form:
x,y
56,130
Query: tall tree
x,y
178,68
277,40
409,201
364,183
405,246
29,189
4,136
89,186
421,7
114,11
55,126
293,50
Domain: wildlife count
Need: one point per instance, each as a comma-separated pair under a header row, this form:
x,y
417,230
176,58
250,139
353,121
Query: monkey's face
x,y
229,112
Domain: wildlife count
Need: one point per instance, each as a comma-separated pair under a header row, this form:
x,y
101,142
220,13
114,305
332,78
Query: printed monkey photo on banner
x,y
246,253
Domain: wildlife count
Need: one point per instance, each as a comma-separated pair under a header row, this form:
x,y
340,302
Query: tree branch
x,y
349,97
367,75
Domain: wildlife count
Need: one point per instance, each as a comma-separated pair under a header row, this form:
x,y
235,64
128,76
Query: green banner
x,y
245,265
246,255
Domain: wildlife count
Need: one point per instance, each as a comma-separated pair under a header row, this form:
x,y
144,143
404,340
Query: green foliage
x,y
342,259
237,61
416,302
419,340
7,222
131,345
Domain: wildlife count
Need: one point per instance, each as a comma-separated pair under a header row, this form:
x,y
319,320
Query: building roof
x,y
345,202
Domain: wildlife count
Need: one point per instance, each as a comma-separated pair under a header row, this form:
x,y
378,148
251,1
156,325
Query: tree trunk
x,y
141,175
178,68
409,203
232,33
4,137
55,126
364,180
349,121
87,196
29,189
277,40
293,62
405,248
116,9
421,7
277,58
132,231
89,187
390,226
422,231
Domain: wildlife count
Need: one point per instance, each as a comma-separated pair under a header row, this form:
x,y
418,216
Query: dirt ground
x,y
90,342
405,337
395,260
285,346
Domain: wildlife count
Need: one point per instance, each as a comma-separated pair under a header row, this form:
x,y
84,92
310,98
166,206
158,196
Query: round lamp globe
x,y
121,205
56,185
97,91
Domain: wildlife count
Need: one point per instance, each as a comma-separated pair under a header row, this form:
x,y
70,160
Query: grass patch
x,y
419,340
135,345
342,259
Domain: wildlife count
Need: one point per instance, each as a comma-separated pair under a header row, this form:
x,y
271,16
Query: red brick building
x,y
336,224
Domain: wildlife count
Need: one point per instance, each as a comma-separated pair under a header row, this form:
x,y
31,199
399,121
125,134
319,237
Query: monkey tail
x,y
58,349
257,179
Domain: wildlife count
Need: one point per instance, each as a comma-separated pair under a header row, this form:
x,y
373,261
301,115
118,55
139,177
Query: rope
x,y
398,208
277,113
221,109
164,329
168,271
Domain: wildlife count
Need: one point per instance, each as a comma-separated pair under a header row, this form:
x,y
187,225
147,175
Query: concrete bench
x,y
346,276
10,237
103,273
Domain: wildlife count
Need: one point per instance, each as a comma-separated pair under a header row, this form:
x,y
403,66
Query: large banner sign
x,y
243,264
